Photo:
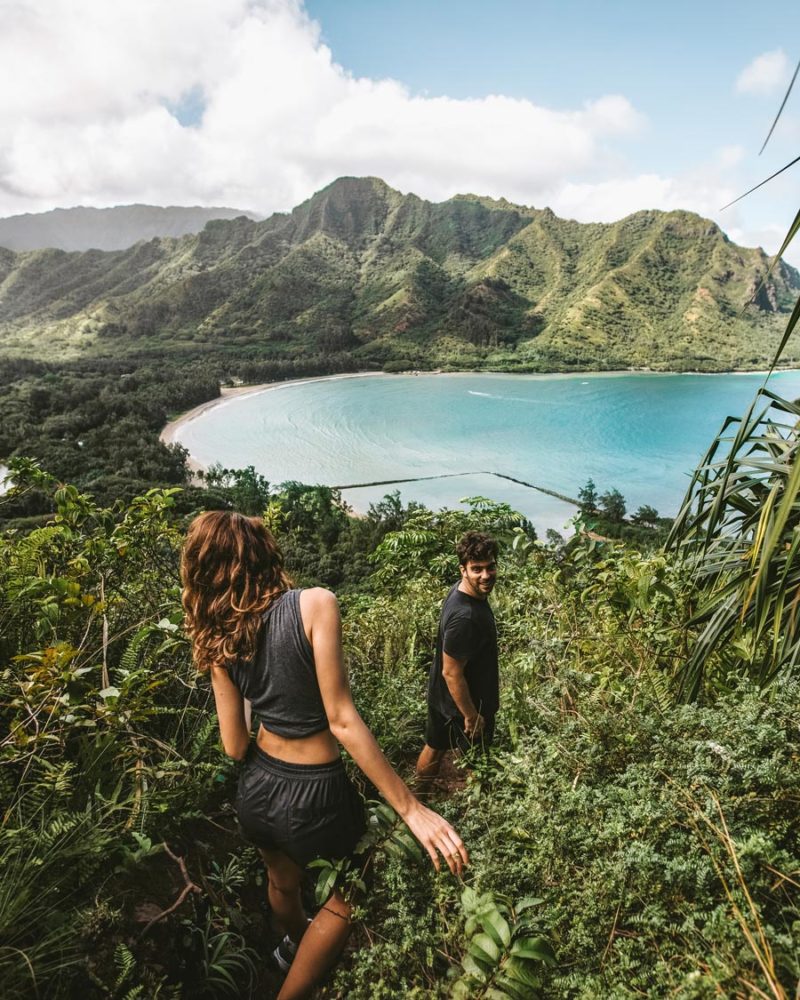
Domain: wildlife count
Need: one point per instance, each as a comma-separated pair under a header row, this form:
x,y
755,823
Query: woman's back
x,y
280,681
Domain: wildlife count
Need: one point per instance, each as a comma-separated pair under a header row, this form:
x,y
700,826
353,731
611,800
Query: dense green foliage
x,y
651,848
389,279
97,422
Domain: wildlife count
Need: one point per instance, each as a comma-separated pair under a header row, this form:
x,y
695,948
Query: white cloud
x,y
766,74
704,190
606,201
87,120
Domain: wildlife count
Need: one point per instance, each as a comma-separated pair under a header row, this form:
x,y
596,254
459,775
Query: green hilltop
x,y
362,270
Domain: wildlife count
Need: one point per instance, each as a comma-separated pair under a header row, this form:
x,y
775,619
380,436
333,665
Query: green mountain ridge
x,y
391,278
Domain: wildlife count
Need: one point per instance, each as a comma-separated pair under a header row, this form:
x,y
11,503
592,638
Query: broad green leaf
x,y
386,814
483,948
497,926
468,897
462,990
516,989
472,967
325,885
408,845
537,949
527,902
522,972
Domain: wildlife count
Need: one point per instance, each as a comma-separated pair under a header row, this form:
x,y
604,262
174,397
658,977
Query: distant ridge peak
x,y
85,227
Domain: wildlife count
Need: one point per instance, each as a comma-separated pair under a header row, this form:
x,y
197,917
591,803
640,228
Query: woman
x,y
279,651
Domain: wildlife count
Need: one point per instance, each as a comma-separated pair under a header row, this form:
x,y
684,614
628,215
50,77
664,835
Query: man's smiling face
x,y
478,577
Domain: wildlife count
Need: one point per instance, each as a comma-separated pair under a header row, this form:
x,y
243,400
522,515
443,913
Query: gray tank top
x,y
281,680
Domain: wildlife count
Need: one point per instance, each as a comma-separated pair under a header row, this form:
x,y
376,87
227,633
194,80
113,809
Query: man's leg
x,y
437,742
428,764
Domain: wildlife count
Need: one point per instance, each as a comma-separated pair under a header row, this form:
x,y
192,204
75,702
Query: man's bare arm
x,y
453,673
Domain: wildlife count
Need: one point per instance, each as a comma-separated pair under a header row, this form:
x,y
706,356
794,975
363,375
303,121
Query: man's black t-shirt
x,y
466,632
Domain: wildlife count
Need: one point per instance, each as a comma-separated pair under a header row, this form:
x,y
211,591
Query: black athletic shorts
x,y
307,811
442,733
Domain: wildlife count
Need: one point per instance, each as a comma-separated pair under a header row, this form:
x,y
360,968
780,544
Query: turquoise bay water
x,y
640,433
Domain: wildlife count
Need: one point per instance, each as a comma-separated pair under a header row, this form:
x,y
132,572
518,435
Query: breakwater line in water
x,y
455,475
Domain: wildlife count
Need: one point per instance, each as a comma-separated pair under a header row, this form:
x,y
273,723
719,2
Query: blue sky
x,y
676,62
596,109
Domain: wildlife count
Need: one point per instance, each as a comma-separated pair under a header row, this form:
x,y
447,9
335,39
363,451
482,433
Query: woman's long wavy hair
x,y
231,569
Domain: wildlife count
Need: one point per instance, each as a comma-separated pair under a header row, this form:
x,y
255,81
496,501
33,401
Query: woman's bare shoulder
x,y
318,597
317,602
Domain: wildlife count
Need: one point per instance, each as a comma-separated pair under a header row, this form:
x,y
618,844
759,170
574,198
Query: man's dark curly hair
x,y
476,546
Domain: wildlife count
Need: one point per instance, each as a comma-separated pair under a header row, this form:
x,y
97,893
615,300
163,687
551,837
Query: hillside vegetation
x,y
623,844
394,280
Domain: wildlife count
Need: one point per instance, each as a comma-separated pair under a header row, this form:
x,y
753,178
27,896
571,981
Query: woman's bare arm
x,y
320,613
231,713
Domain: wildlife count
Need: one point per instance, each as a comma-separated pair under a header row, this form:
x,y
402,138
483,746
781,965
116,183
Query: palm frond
x,y
738,535
780,109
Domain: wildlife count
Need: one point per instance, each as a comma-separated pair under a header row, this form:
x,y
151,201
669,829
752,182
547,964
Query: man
x,y
463,688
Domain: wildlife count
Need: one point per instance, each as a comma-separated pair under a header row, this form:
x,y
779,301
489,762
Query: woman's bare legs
x,y
321,945
320,942
283,892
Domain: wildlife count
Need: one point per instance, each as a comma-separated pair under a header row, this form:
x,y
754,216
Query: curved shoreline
x,y
170,432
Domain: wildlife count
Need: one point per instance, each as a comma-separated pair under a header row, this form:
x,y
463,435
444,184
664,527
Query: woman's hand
x,y
436,835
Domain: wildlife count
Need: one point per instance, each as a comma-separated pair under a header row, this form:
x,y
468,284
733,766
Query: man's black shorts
x,y
307,811
442,733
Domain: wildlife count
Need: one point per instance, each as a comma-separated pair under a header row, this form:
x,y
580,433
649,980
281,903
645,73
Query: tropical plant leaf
x,y
522,972
484,949
473,968
737,535
780,109
537,949
496,926
518,989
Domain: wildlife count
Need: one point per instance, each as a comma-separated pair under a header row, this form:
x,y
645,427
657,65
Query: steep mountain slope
x,y
392,278
117,228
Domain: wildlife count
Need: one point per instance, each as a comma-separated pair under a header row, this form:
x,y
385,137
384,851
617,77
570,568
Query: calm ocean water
x,y
640,433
